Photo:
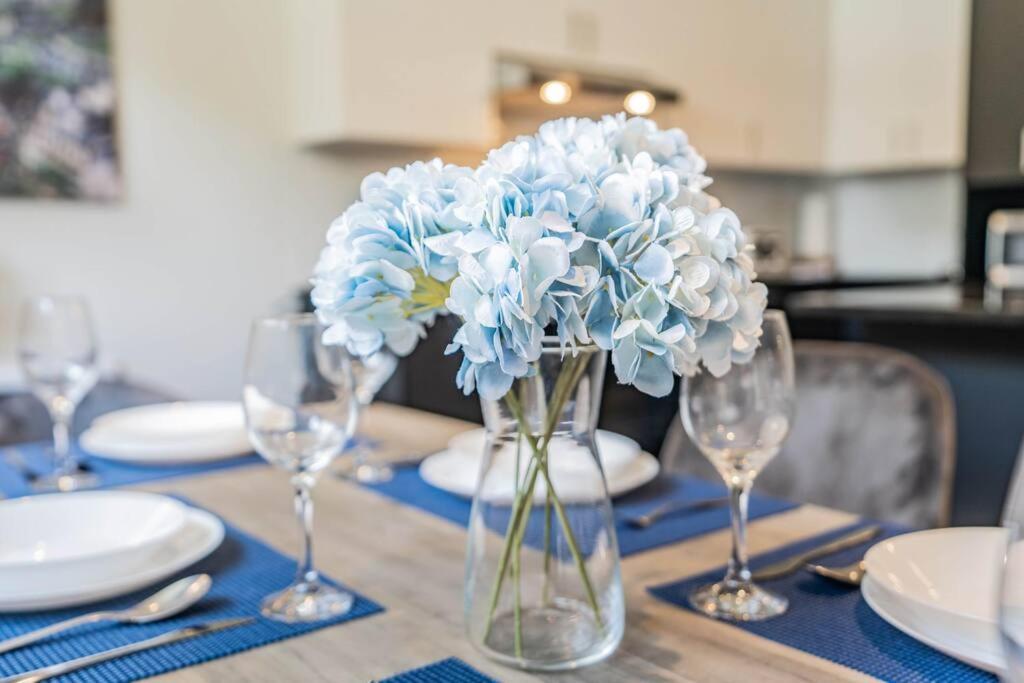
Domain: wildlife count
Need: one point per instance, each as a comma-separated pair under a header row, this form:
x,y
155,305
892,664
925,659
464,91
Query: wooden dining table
x,y
412,563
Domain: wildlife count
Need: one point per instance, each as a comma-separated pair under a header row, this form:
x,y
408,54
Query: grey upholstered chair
x,y
873,435
1013,506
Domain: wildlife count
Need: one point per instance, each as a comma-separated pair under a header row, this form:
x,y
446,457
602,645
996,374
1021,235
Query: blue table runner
x,y
832,621
111,473
244,571
409,487
451,670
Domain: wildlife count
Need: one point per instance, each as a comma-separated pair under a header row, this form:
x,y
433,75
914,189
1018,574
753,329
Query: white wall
x,y
898,225
221,216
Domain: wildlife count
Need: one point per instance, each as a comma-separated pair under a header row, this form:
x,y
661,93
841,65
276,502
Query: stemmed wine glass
x,y
370,373
300,410
57,353
739,421
1011,602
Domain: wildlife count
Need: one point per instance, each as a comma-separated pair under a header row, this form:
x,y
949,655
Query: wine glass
x,y
57,353
371,373
1011,603
300,410
739,421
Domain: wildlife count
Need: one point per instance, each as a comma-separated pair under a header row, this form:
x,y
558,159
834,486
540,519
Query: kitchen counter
x,y
931,305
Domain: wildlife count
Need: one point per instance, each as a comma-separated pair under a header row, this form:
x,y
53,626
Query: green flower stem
x,y
523,501
546,593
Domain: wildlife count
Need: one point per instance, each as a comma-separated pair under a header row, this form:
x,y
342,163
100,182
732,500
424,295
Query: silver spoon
x,y
851,574
166,602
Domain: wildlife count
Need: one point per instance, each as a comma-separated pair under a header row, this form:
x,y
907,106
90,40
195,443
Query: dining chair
x,y
1013,504
873,435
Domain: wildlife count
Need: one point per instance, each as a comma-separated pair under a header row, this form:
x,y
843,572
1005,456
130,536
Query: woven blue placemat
x,y
409,487
832,621
451,670
38,456
244,571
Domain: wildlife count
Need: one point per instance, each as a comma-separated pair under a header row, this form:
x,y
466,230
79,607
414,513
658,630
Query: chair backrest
x,y
1013,505
873,435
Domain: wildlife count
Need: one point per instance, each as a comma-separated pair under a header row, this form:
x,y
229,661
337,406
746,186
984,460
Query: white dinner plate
x,y
170,433
47,538
941,586
200,536
616,450
968,646
457,472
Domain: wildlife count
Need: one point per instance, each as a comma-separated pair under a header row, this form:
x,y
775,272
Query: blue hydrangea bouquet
x,y
586,234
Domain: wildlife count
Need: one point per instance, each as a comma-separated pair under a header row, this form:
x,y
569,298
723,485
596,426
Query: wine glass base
x,y
64,482
304,602
737,601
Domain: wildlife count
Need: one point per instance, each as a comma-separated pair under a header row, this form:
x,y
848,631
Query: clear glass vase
x,y
543,587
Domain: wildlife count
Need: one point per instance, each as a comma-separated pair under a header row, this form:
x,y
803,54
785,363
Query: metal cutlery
x,y
674,507
170,600
156,641
851,574
794,564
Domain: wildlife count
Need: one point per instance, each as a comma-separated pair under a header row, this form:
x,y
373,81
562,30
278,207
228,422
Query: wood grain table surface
x,y
411,562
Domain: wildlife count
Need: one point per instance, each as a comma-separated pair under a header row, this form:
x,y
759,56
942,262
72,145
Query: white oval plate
x,y
82,534
955,571
617,450
971,646
200,536
457,472
170,433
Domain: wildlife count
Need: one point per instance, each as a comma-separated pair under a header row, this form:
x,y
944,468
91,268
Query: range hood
x,y
530,92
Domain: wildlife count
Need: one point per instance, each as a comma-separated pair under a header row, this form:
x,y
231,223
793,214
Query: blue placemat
x,y
38,456
832,621
244,571
451,670
409,487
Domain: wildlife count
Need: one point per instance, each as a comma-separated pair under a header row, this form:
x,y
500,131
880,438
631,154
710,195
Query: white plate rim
x,y
875,595
113,416
646,466
180,507
117,586
877,549
164,453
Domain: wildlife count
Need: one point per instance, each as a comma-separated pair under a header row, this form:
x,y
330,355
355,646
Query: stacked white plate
x,y
69,549
170,433
941,587
572,472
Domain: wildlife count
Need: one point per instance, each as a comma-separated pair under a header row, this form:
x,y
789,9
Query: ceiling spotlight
x,y
639,103
556,92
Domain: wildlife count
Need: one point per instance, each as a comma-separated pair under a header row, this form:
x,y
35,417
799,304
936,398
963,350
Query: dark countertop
x,y
935,304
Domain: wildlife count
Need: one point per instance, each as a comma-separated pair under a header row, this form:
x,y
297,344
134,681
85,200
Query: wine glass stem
x,y
739,494
307,574
62,443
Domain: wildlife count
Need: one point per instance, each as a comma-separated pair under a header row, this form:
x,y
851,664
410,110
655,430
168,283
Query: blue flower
x,y
598,230
378,281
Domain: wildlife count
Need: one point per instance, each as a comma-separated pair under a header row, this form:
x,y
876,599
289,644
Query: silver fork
x,y
674,507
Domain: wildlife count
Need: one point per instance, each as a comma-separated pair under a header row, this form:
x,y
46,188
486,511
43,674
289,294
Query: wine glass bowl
x,y
300,408
739,422
371,373
57,354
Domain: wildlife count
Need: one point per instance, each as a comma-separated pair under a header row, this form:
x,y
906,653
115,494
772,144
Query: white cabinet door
x,y
896,85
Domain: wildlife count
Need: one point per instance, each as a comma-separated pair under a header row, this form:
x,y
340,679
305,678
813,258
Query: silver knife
x,y
156,641
794,564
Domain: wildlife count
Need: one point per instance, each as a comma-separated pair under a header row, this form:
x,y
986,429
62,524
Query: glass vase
x,y
543,586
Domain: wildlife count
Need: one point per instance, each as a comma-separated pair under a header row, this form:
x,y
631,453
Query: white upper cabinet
x,y
802,86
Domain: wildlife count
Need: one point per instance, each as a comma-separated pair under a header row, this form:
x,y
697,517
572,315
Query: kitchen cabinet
x,y
802,86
